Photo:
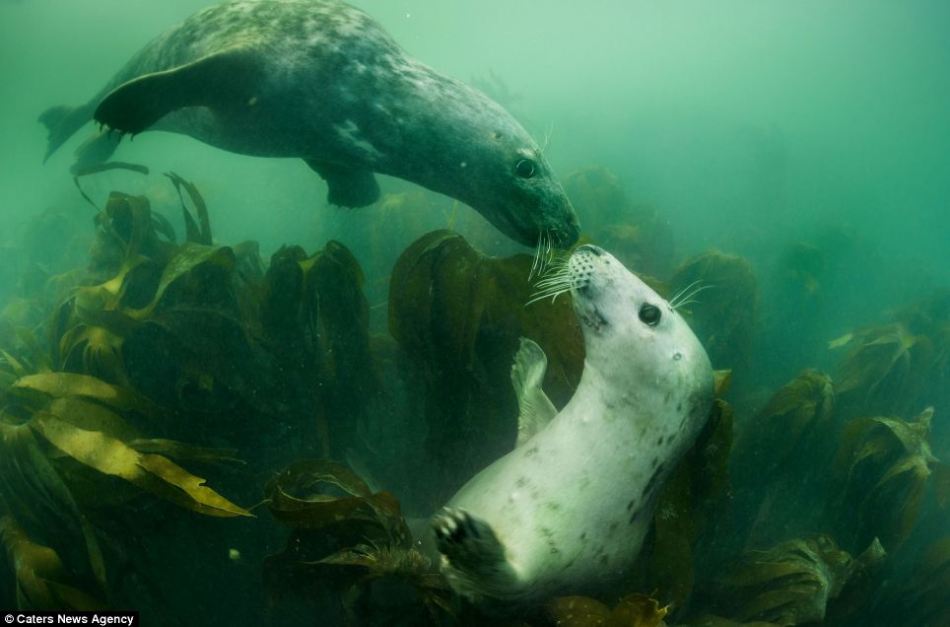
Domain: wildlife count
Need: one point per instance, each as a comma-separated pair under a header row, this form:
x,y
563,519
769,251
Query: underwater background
x,y
225,323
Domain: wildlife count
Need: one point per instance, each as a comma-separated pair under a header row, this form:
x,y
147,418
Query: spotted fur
x,y
570,507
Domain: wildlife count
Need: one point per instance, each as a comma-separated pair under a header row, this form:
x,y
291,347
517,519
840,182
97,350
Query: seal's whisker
x,y
690,298
552,273
554,279
679,296
556,266
537,258
559,282
552,294
692,295
686,293
552,287
548,132
542,256
547,250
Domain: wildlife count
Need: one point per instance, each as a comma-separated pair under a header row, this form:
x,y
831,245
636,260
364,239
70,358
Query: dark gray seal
x,y
320,80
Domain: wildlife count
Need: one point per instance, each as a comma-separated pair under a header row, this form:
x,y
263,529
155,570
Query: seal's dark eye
x,y
525,168
650,315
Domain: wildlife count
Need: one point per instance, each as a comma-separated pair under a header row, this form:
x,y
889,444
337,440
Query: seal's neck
x,y
598,388
647,410
443,134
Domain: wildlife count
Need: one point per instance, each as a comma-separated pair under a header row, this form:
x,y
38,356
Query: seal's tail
x,y
61,122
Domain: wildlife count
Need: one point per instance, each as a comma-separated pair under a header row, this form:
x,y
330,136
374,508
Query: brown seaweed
x,y
348,537
884,370
302,497
81,417
799,416
315,315
689,505
42,581
634,610
725,315
636,234
923,598
883,467
790,584
198,232
459,314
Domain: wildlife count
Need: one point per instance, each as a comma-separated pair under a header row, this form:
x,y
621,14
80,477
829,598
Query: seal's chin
x,y
532,228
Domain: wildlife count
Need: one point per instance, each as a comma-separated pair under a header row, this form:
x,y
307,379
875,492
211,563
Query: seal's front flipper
x,y
527,374
348,187
473,556
224,80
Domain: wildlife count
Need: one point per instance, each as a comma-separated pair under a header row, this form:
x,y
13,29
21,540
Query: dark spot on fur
x,y
583,536
659,440
531,451
633,517
652,482
630,505
613,528
554,507
679,407
521,482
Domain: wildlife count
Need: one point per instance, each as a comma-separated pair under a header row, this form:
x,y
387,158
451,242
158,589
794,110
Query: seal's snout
x,y
581,265
570,231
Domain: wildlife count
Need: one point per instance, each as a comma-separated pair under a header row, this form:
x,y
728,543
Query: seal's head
x,y
495,167
525,199
632,335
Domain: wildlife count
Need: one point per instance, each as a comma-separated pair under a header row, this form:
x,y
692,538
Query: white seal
x,y
571,504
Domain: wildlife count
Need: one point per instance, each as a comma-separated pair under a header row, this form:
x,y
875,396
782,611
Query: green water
x,y
801,147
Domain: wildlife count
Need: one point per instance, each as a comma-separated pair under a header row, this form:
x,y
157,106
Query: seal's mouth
x,y
592,318
538,221
576,275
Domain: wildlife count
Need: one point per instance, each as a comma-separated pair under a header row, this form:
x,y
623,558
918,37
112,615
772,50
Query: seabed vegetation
x,y
180,416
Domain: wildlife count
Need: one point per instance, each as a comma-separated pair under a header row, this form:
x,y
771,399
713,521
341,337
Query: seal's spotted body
x,y
320,80
571,504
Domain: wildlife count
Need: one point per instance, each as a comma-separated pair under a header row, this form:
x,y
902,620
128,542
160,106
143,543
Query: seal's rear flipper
x,y
475,558
348,187
527,374
225,80
61,122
